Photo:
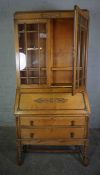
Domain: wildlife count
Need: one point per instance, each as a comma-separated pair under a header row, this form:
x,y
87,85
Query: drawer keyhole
x,y
31,135
31,123
72,135
72,123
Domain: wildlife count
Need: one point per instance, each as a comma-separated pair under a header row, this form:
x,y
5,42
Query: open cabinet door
x,y
81,20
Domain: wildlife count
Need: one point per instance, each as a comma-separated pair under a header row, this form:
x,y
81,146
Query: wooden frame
x,y
77,50
56,111
47,17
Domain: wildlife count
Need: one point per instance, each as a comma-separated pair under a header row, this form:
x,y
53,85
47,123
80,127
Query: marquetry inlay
x,y
50,100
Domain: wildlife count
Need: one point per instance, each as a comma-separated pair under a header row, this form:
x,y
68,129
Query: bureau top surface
x,y
51,103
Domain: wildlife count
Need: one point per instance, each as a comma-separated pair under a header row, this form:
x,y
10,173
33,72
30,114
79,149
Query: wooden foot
x,y
85,154
86,161
24,148
19,154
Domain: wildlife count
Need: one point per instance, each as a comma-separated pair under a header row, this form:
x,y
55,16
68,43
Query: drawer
x,y
50,121
53,133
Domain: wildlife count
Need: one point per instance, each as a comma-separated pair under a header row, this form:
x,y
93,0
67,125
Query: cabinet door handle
x,y
72,123
31,135
31,123
72,134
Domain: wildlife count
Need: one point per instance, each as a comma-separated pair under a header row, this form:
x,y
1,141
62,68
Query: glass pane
x,y
32,59
21,34
81,56
21,27
32,53
80,74
23,74
80,82
34,74
23,81
32,45
22,56
22,63
22,42
32,27
33,81
80,37
43,53
42,39
32,41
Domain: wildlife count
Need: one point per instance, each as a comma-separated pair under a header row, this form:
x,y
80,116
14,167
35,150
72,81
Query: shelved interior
x,y
63,31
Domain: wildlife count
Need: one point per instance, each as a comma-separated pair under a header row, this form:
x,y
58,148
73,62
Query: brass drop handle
x,y
31,122
31,135
72,123
72,134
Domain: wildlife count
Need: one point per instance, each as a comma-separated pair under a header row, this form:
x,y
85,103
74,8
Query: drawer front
x,y
51,133
50,121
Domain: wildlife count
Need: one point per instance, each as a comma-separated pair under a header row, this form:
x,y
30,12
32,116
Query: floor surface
x,y
46,163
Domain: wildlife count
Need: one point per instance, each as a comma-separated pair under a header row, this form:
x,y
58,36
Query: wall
x,y
7,52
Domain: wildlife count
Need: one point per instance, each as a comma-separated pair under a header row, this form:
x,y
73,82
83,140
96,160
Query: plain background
x,y
7,52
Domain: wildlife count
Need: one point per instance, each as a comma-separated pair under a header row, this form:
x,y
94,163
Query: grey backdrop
x,y
7,52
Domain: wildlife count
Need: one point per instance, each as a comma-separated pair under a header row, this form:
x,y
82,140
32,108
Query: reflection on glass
x,y
22,61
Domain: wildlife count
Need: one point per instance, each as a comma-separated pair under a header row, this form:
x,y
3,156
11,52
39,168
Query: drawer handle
x,y
31,135
72,123
72,134
31,123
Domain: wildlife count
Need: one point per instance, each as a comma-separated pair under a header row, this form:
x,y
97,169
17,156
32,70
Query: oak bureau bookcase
x,y
52,107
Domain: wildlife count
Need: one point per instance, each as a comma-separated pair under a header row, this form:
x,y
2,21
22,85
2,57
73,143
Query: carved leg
x,y
85,154
19,153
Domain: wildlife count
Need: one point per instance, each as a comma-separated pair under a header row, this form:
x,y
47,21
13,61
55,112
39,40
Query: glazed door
x,y
32,51
80,49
